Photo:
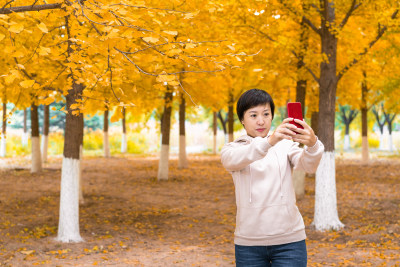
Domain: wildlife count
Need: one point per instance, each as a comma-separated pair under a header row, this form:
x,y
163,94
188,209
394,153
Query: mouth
x,y
260,130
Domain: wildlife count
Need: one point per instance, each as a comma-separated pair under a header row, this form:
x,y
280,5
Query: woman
x,y
269,227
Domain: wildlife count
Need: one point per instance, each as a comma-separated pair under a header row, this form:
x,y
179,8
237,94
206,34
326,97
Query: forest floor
x,y
131,219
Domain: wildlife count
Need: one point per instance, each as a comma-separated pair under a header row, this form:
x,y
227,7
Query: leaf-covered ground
x,y
130,219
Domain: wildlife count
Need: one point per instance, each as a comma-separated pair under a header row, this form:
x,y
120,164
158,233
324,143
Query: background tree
x,y
347,115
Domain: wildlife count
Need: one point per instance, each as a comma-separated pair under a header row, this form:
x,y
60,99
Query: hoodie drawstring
x,y
280,175
250,183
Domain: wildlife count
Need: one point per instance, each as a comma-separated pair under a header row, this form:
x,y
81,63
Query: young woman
x,y
269,227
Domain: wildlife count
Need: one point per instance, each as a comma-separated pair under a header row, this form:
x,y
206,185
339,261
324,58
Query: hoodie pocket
x,y
265,221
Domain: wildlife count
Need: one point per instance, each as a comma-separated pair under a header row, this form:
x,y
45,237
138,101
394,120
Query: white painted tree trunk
x,y
214,144
124,144
81,198
226,138
25,137
183,163
36,155
3,143
163,163
346,145
391,143
298,178
44,147
381,140
365,150
68,226
325,213
106,145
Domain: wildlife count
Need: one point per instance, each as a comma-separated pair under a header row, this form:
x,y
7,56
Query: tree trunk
x,y
364,121
106,145
36,156
298,176
81,198
45,136
25,136
325,213
314,122
214,133
183,163
230,117
223,123
124,144
165,132
381,126
3,132
389,118
68,226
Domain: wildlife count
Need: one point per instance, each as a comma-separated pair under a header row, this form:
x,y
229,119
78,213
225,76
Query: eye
x,y
253,115
266,114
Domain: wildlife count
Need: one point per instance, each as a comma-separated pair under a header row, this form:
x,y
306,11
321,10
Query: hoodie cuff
x,y
267,145
314,148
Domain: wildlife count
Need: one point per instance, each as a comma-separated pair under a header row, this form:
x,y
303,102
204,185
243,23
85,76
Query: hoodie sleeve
x,y
236,156
307,158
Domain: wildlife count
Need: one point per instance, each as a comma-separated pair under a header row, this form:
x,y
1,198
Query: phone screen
x,y
294,111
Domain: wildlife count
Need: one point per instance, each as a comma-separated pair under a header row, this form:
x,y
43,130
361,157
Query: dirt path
x,y
130,219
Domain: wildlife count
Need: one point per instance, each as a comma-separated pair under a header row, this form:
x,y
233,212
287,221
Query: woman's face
x,y
257,120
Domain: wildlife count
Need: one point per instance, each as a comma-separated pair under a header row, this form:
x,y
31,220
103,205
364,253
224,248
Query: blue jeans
x,y
286,255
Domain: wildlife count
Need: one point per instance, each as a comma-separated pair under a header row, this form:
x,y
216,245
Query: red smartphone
x,y
294,111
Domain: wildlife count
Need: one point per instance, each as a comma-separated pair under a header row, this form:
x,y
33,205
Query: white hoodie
x,y
266,203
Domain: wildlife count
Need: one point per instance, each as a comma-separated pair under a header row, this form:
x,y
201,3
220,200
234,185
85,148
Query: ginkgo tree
x,y
328,22
129,32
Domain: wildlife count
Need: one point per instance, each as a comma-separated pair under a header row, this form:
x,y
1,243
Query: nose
x,y
260,121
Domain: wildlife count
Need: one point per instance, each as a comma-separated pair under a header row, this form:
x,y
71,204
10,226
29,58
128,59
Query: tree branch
x,y
311,25
29,8
307,68
303,18
353,7
381,31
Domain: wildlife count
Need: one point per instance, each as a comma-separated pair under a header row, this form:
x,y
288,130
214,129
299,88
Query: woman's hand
x,y
284,131
289,131
305,136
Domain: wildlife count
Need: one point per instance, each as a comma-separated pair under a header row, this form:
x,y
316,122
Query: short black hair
x,y
253,98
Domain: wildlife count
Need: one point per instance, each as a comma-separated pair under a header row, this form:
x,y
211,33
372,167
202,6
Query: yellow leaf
x,y
2,36
150,39
48,100
174,33
27,83
53,108
27,252
113,33
17,28
9,79
165,78
18,54
52,118
116,116
190,45
44,51
174,52
43,27
21,66
191,15
174,83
